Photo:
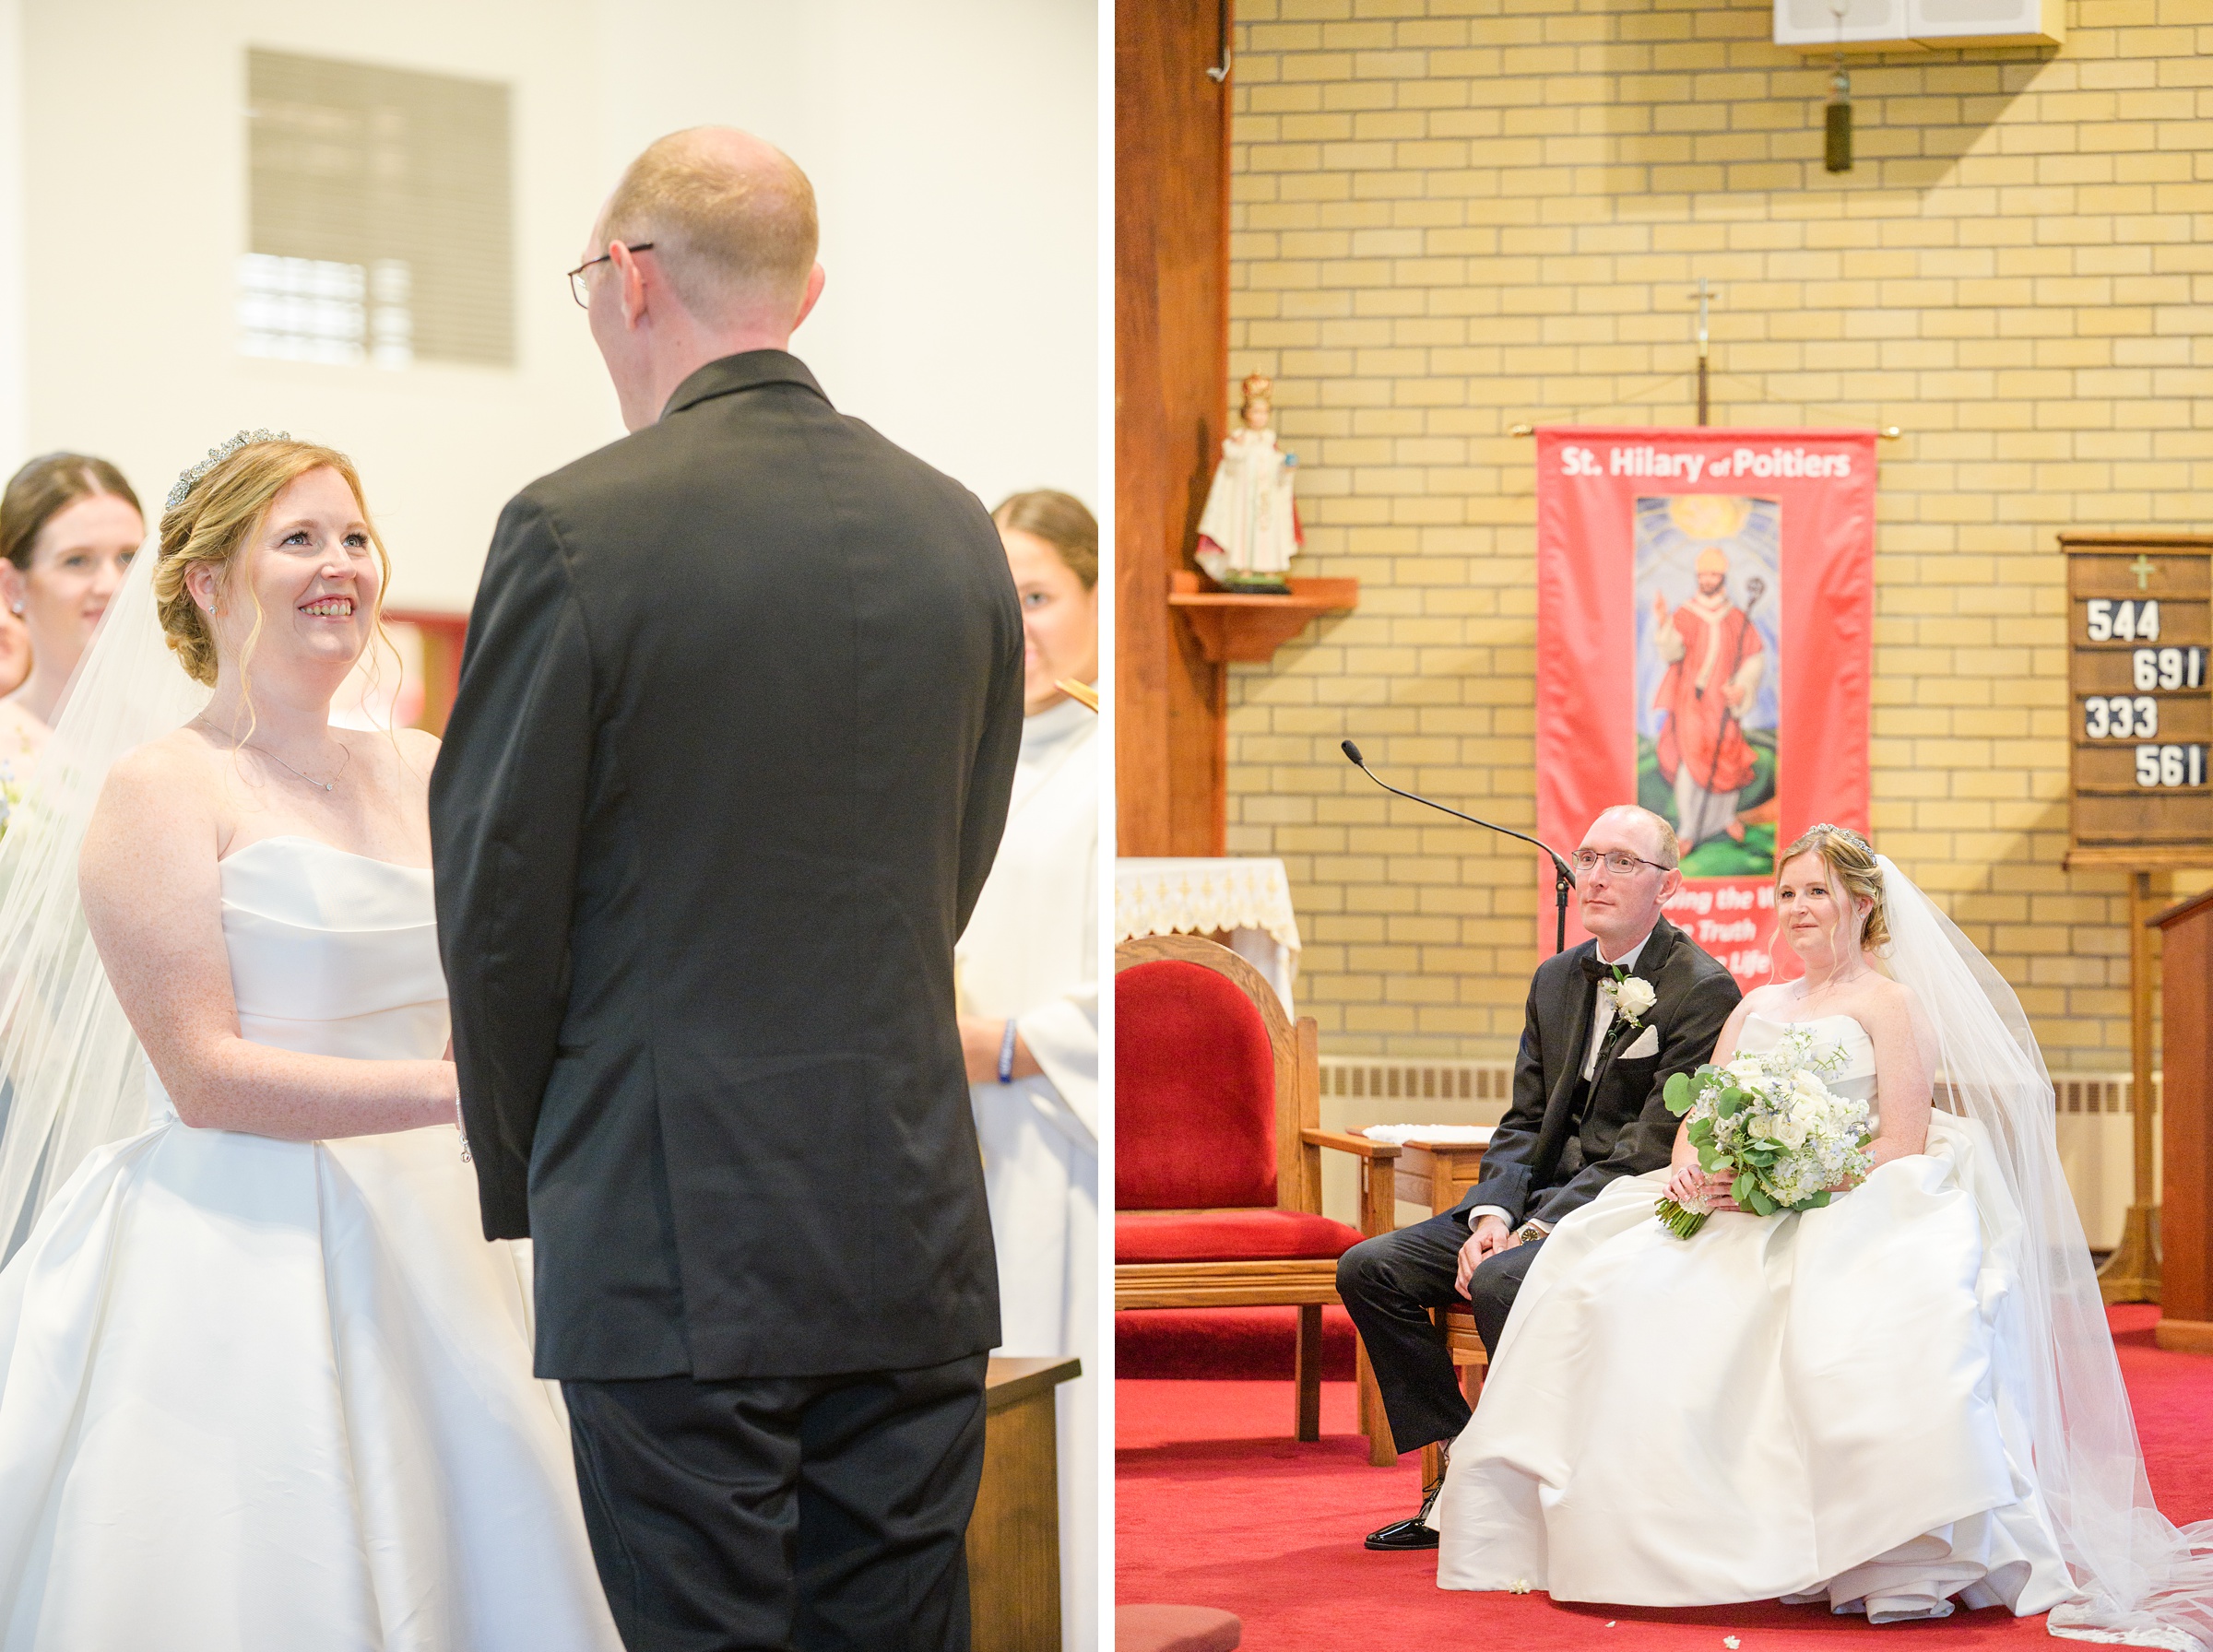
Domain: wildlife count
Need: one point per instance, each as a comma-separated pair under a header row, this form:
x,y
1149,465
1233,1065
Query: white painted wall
x,y
135,179
11,227
955,159
954,150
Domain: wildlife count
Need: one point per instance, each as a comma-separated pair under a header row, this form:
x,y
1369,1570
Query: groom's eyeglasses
x,y
1620,863
582,293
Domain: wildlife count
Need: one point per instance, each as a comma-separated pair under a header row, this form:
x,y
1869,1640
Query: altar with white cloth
x,y
1247,897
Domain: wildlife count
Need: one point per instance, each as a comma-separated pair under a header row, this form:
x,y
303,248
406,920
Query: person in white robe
x,y
1029,999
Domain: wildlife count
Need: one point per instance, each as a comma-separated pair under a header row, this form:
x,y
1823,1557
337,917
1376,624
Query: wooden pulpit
x,y
1014,1538
2187,1128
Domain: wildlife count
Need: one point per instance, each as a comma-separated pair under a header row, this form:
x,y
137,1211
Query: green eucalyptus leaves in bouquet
x,y
1770,1122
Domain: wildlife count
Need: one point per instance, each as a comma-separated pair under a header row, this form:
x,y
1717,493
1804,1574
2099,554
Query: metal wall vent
x,y
1382,1078
380,218
1377,1078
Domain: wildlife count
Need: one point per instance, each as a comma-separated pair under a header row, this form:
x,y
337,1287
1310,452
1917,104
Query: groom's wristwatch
x,y
1530,1232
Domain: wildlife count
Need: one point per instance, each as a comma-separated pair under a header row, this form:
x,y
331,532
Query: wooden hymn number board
x,y
2139,634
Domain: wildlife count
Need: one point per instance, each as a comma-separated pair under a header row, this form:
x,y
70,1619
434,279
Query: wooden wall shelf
x,y
1230,626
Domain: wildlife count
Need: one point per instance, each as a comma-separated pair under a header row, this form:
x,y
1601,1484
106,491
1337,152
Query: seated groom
x,y
1587,1108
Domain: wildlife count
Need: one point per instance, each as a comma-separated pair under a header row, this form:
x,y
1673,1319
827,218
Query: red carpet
x,y
1217,1505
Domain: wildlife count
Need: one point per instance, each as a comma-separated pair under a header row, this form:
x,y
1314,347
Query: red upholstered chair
x,y
1218,1103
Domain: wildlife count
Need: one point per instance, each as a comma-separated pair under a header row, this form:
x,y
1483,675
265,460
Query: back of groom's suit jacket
x,y
1554,1151
737,722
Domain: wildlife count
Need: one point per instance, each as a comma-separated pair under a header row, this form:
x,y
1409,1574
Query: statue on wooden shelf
x,y
1250,531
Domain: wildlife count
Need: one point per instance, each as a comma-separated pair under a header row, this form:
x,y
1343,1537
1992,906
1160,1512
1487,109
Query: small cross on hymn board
x,y
2143,568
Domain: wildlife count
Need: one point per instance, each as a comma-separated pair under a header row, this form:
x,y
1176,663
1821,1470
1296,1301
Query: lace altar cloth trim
x,y
1199,896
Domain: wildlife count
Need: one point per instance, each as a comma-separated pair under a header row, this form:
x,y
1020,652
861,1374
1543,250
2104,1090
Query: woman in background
x,y
14,650
1029,995
69,525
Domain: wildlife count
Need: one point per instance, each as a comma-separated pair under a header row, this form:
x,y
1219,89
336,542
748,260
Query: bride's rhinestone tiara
x,y
216,456
1847,833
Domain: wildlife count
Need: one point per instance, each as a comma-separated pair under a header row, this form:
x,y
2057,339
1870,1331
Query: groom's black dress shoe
x,y
1408,1534
1403,1534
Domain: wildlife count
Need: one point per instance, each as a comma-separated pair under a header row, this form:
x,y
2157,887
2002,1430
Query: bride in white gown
x,y
1902,1401
263,1383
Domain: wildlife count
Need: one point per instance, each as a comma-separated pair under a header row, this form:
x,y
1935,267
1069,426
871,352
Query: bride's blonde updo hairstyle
x,y
1851,861
212,517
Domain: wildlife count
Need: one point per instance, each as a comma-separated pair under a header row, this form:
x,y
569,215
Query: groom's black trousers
x,y
1389,1285
825,1514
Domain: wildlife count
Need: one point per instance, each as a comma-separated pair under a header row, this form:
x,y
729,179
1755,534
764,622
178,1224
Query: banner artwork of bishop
x,y
1705,616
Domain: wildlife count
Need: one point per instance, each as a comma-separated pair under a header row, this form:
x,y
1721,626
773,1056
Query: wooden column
x,y
2132,1272
1171,255
2187,1128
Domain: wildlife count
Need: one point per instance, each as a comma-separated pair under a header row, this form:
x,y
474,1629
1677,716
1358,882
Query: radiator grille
x,y
1377,1078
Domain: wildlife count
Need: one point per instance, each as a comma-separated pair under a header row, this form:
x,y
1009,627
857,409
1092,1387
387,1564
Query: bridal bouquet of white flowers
x,y
1773,1122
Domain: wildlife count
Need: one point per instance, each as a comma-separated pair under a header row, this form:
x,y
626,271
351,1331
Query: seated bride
x,y
1894,1400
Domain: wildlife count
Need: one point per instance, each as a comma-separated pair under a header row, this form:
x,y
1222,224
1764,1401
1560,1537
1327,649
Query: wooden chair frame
x,y
1308,1285
1471,1363
1440,1174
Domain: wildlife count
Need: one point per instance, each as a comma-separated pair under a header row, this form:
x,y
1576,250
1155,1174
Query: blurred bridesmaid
x,y
69,525
1029,993
15,651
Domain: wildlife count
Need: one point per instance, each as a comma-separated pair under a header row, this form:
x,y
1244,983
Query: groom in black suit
x,y
1587,1109
737,724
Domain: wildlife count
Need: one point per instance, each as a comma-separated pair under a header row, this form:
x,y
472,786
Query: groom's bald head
x,y
1665,848
730,218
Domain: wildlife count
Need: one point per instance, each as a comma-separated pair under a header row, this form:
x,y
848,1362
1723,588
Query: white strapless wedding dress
x,y
1803,1407
261,1396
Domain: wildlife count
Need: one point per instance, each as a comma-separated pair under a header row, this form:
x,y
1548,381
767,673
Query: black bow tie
x,y
1595,970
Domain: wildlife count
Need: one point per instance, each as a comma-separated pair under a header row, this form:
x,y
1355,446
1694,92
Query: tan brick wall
x,y
1450,216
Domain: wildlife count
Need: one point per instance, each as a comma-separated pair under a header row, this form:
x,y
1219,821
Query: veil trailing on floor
x,y
72,1069
2144,1582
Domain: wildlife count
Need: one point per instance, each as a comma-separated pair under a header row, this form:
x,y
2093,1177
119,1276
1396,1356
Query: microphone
x,y
1563,880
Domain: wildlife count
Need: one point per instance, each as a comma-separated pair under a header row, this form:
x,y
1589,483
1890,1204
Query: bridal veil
x,y
72,1068
2144,1582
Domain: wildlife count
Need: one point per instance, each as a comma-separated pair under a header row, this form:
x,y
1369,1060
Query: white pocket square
x,y
1647,1044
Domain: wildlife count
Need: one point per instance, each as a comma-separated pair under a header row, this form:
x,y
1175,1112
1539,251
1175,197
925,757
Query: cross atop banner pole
x,y
1702,293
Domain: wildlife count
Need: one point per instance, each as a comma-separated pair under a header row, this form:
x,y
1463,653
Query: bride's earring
x,y
16,607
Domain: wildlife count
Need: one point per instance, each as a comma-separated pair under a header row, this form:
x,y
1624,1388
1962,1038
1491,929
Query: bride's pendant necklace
x,y
321,786
1833,982
328,786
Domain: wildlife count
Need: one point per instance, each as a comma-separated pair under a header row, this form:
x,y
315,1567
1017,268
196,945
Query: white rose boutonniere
x,y
1630,996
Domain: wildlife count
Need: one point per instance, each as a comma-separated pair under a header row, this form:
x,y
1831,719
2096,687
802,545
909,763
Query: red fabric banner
x,y
1705,616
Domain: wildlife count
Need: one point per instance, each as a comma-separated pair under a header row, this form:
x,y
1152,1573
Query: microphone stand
x,y
1563,879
